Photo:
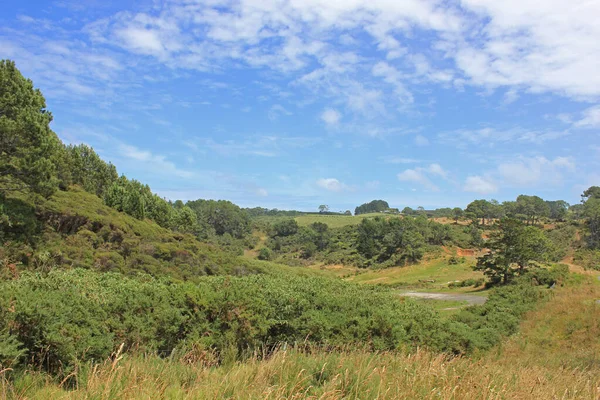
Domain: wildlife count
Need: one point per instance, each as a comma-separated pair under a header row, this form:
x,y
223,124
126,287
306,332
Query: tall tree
x,y
28,148
591,212
323,208
531,208
457,214
558,209
512,249
479,209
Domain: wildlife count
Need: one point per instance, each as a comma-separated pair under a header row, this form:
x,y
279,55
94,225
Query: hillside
x,y
75,229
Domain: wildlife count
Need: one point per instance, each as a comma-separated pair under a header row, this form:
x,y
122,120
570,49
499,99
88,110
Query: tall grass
x,y
292,374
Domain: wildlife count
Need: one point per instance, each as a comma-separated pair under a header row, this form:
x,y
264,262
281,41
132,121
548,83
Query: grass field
x,y
555,356
438,270
335,221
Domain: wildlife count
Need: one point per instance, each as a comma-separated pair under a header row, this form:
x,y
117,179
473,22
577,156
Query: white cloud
x,y
153,162
422,176
479,184
535,170
590,119
254,145
276,110
331,184
331,117
490,136
400,160
262,192
436,169
541,47
421,140
417,176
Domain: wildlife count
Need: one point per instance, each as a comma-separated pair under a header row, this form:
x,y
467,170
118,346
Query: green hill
x,y
75,229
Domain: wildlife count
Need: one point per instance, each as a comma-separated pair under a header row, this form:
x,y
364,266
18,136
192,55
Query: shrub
x,y
265,254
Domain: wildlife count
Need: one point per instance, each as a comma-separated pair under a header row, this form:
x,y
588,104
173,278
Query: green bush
x,y
265,254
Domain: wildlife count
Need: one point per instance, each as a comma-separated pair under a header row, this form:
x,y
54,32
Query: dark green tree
x,y
372,207
28,148
512,249
457,213
558,209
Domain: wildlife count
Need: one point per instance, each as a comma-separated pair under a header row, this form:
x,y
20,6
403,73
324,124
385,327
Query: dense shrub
x,y
56,320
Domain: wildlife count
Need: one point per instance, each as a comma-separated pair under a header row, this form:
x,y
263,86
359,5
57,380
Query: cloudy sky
x,y
296,103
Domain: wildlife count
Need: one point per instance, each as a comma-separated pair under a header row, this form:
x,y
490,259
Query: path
x,y
469,298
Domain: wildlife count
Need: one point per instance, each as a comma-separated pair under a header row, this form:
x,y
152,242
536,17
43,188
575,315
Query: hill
x,y
75,229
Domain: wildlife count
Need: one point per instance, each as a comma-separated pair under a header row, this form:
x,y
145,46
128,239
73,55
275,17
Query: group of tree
x,y
374,206
591,211
528,209
34,160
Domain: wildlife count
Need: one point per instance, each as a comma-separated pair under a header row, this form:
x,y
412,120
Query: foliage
x,y
558,209
285,227
372,207
28,148
512,249
265,254
222,216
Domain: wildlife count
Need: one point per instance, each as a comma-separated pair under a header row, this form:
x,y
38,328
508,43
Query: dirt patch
x,y
465,252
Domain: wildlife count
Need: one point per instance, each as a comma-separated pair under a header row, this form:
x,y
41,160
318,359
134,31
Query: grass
x,y
555,356
335,221
438,270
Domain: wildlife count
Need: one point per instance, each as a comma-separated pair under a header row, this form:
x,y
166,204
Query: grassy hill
x,y
74,229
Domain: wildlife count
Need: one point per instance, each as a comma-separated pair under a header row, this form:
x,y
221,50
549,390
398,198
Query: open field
x,y
335,221
437,270
555,356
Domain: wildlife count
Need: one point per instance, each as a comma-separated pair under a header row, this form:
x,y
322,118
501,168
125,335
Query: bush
x,y
265,254
67,317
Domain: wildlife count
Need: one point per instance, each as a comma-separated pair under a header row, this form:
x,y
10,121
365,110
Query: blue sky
x,y
292,104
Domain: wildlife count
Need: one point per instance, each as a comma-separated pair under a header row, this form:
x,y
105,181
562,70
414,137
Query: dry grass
x,y
554,357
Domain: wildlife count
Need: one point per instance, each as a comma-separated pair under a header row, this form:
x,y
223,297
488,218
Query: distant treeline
x,y
274,212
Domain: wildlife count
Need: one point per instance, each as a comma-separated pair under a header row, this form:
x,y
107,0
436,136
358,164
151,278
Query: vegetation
x,y
374,206
554,356
94,263
512,250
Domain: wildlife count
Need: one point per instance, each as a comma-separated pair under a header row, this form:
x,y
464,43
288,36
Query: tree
x,y
408,211
88,170
457,214
558,209
591,192
529,209
323,208
28,148
479,209
372,207
222,216
591,211
512,250
348,212
286,227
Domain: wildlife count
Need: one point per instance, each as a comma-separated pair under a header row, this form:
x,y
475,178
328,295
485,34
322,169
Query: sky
x,y
291,104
